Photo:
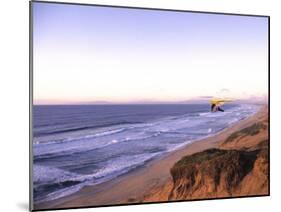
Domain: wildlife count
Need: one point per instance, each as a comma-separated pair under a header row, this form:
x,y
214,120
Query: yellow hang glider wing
x,y
219,101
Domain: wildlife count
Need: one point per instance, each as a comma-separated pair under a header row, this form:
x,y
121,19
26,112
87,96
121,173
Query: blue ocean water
x,y
79,145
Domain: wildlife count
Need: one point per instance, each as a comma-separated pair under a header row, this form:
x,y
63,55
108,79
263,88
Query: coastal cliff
x,y
220,173
239,167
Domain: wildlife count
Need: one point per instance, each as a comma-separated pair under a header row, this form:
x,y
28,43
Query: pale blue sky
x,y
88,53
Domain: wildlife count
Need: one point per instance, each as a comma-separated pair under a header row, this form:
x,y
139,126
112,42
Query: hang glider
x,y
216,104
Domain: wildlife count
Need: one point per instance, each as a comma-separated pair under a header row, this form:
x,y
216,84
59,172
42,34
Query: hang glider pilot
x,y
216,104
216,107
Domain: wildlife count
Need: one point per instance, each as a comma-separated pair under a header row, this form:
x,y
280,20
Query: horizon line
x,y
150,102
200,99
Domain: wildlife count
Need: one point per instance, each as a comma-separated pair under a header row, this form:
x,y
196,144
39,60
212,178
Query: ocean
x,y
79,145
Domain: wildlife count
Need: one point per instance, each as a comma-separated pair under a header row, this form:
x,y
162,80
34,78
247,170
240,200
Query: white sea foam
x,y
44,175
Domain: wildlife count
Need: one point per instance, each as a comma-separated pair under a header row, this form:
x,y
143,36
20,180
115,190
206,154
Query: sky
x,y
89,54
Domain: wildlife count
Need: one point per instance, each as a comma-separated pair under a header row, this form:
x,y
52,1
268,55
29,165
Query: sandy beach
x,y
149,183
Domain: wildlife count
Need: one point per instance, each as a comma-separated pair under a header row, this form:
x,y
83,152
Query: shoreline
x,y
137,185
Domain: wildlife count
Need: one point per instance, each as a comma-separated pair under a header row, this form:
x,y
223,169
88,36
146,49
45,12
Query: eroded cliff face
x,y
238,168
220,173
